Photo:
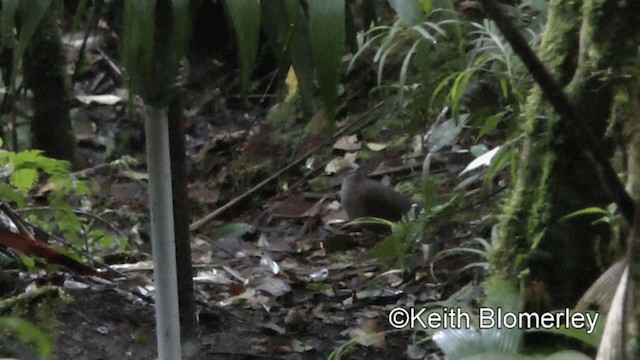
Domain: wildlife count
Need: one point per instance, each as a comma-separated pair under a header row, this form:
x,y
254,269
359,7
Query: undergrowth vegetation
x,y
433,82
437,58
67,215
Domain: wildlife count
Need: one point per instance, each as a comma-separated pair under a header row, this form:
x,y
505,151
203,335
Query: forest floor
x,y
276,276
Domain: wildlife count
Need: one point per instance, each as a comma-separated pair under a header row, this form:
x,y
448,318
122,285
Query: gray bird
x,y
361,196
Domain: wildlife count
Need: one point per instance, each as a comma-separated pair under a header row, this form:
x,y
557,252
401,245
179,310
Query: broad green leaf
x,y
31,14
326,35
245,17
427,6
408,11
490,123
10,194
9,8
156,37
181,29
139,25
502,294
444,134
276,27
23,179
494,343
567,355
299,50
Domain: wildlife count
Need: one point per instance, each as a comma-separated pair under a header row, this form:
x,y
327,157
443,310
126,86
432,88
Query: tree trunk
x,y
560,259
45,74
181,220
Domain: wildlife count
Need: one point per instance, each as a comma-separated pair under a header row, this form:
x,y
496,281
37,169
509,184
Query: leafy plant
x,y
406,233
409,35
610,215
468,247
310,39
28,170
23,170
491,61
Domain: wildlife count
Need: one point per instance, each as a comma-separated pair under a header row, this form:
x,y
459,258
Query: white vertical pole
x,y
162,235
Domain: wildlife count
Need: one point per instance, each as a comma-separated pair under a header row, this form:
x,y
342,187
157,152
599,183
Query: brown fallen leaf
x,y
369,333
348,143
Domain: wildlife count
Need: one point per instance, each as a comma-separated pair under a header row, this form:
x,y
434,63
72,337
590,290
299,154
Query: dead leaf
x,y
274,327
273,286
299,346
369,334
335,165
293,207
292,84
377,146
348,143
315,209
99,99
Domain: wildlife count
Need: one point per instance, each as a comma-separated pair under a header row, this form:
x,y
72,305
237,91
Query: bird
x,y
363,197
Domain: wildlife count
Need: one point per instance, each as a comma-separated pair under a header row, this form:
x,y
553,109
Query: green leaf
x,y
493,343
408,11
28,262
444,134
592,339
31,14
427,6
10,194
277,29
299,50
26,332
370,221
457,90
388,250
155,39
245,17
490,123
181,29
326,35
405,67
429,192
502,294
139,25
9,8
23,179
586,211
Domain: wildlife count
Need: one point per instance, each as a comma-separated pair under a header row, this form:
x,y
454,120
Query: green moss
x,y
38,307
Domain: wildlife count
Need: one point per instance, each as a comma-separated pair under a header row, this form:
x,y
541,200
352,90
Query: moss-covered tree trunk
x,y
591,49
45,74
